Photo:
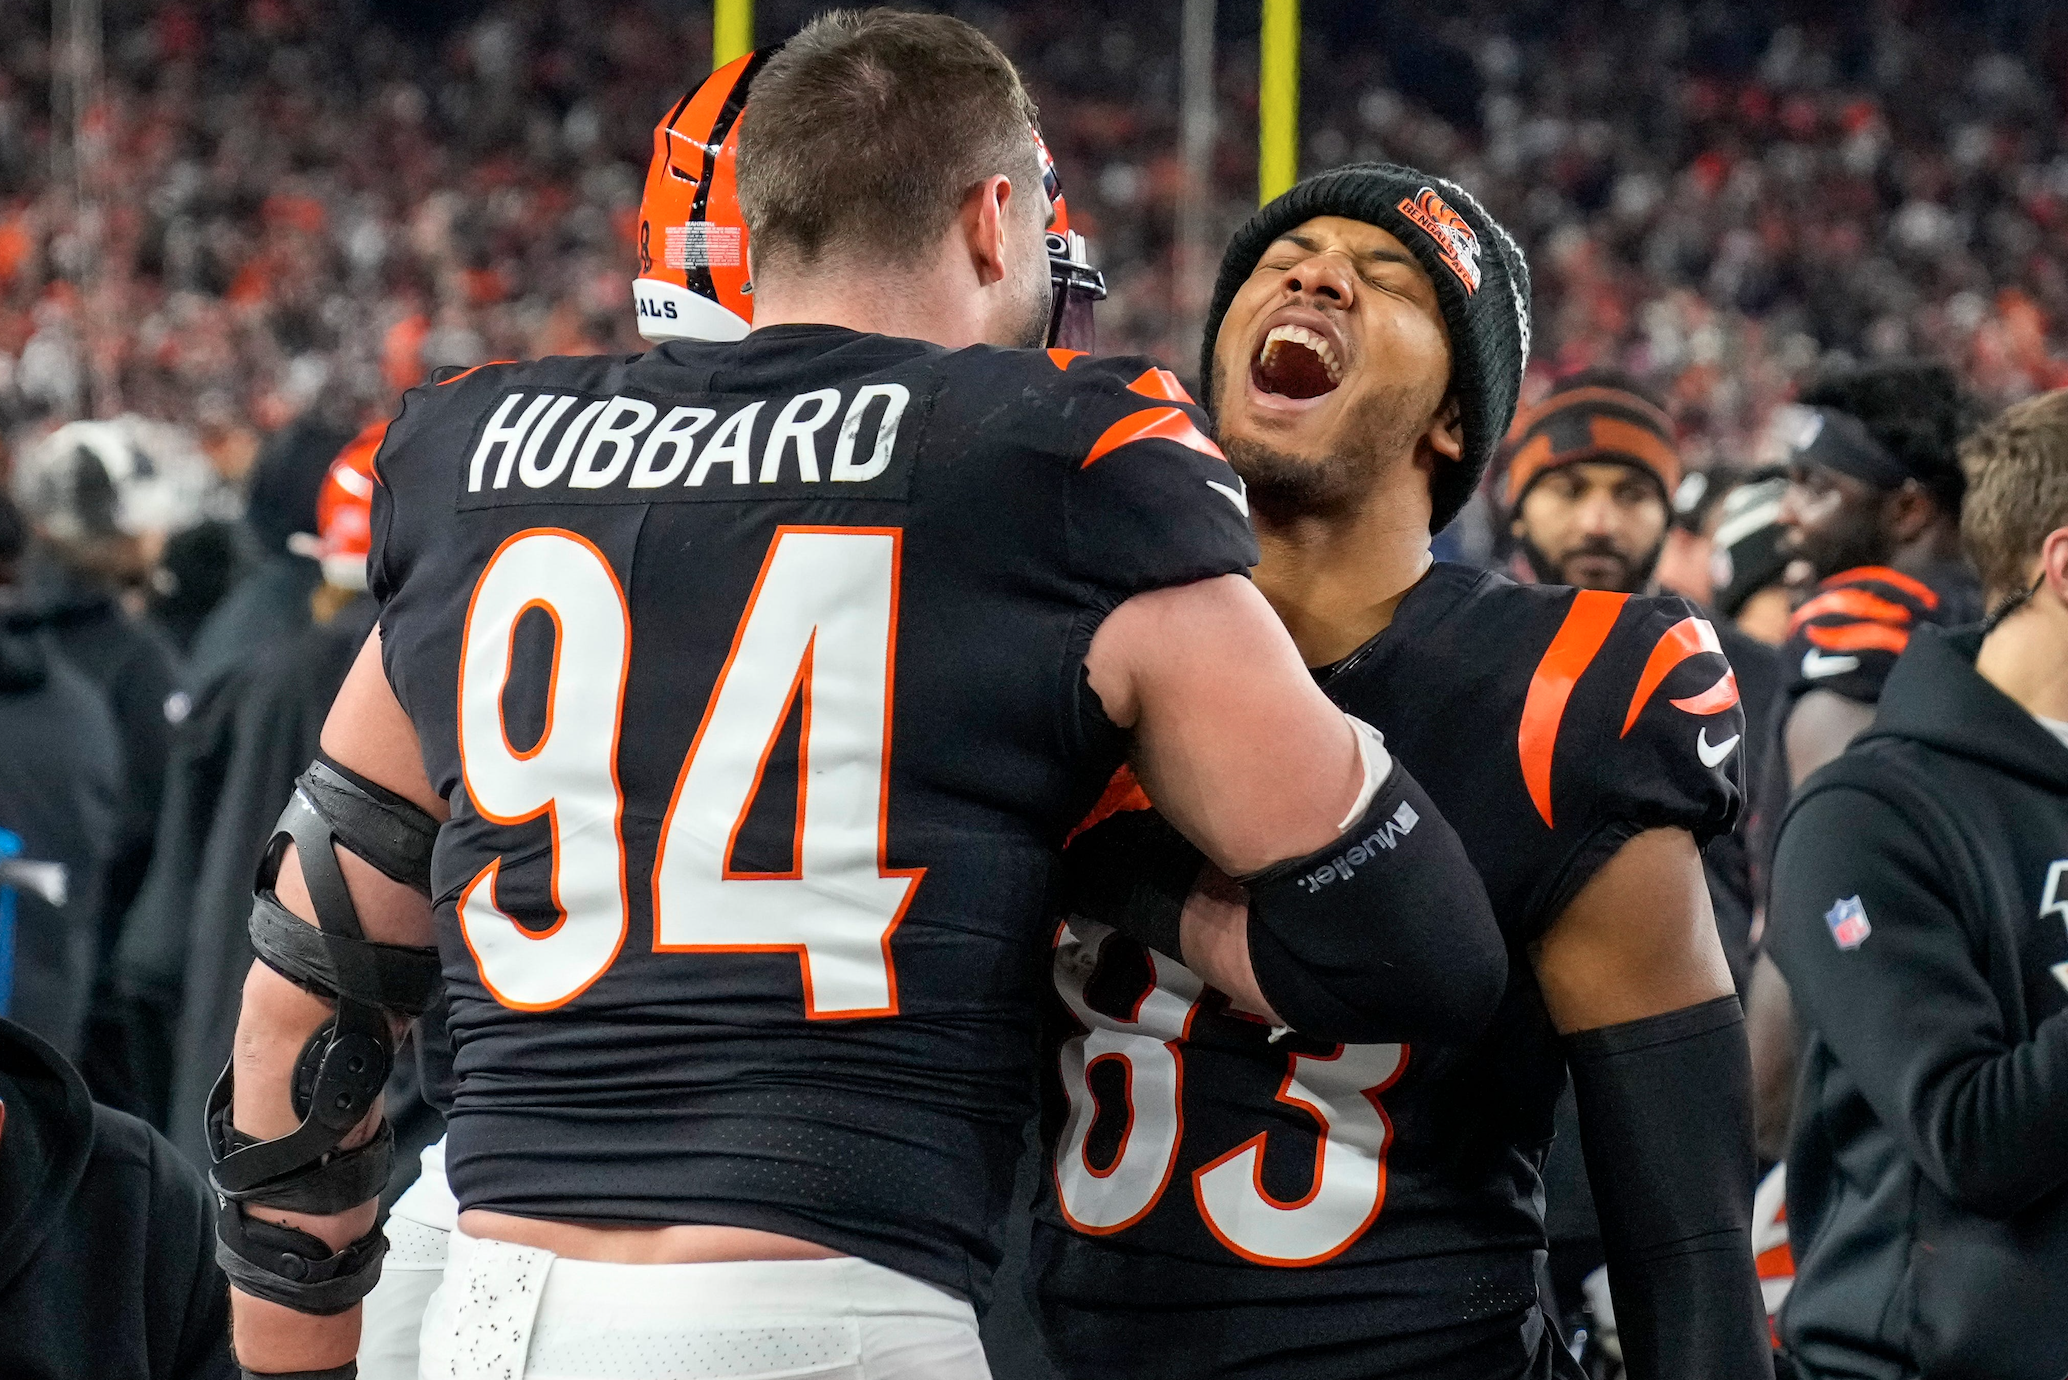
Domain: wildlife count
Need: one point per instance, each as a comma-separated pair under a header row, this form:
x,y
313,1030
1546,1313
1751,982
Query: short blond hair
x,y
867,130
2017,489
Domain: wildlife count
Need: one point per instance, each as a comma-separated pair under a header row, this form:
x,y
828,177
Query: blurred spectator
x,y
268,607
102,498
1748,563
60,807
311,204
107,1252
186,964
1916,915
1687,566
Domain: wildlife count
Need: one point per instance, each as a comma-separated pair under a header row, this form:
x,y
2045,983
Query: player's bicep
x,y
1233,740
1638,940
368,732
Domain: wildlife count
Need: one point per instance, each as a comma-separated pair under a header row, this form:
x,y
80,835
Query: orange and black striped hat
x,y
1596,417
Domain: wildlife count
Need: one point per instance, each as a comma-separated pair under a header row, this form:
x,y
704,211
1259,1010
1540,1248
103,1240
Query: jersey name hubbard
x,y
752,675
1387,1189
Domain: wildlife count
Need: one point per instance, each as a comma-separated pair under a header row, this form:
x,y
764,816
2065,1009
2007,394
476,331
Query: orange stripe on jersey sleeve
x,y
1061,358
1852,603
1571,652
1861,637
1160,383
1690,637
464,372
1909,584
1122,793
1158,423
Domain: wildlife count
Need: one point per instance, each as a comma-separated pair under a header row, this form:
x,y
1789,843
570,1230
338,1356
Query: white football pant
x,y
449,1307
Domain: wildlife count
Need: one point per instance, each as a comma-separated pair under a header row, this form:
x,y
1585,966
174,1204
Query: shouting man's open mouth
x,y
1296,361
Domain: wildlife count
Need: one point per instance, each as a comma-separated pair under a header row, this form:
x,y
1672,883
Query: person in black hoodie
x,y
61,796
107,1262
1920,915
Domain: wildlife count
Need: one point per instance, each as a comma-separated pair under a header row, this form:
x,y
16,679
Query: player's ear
x,y
1910,510
1446,431
2053,562
983,221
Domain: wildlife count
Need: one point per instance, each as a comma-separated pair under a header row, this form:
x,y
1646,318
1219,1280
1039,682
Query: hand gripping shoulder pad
x,y
1385,934
346,1062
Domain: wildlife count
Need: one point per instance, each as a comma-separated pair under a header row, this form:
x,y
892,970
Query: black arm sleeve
x,y
1908,1012
1386,934
1666,1123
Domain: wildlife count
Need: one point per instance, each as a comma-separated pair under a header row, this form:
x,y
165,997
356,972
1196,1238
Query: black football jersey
x,y
1227,1199
1845,639
753,676
1847,635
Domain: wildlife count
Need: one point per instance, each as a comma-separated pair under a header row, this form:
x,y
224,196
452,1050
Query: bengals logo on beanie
x,y
1456,244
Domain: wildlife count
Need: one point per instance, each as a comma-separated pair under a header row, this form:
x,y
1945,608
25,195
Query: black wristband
x,y
1665,1108
348,1371
1132,871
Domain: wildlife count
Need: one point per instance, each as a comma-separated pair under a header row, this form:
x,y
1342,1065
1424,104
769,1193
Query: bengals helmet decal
x,y
692,281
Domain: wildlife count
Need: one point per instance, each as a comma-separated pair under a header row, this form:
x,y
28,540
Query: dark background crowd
x,y
274,216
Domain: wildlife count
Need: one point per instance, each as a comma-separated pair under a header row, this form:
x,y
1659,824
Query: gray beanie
x,y
1482,286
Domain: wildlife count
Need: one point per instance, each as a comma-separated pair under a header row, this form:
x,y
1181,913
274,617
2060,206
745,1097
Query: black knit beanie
x,y
1482,285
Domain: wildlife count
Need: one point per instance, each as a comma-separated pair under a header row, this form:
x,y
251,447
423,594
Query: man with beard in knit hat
x,y
1300,1208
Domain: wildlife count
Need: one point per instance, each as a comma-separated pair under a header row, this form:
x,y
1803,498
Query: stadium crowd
x,y
282,214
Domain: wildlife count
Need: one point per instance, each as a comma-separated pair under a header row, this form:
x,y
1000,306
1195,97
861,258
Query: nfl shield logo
x,y
1848,922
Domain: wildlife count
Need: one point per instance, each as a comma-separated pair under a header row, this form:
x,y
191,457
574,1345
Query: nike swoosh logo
x,y
1238,497
1713,756
1816,665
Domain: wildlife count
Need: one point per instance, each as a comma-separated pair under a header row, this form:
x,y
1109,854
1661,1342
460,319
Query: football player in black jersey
x,y
1872,520
1231,1199
675,299
728,708
1590,475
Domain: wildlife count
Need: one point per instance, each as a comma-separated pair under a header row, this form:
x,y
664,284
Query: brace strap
x,y
294,1269
371,820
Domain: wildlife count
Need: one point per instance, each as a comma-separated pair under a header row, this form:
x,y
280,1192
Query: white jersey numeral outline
x,y
1340,1090
820,628
1348,1188
569,775
1148,1047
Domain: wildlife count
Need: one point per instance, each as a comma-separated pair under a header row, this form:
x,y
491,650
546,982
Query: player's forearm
x,y
272,1340
1385,935
273,1027
1665,1108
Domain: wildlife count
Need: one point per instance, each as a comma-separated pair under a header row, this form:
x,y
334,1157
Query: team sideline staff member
x,y
1920,890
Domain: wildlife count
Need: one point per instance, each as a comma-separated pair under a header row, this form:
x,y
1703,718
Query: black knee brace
x,y
345,1063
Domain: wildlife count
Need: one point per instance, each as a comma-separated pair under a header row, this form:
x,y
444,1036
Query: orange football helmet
x,y
344,511
693,282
